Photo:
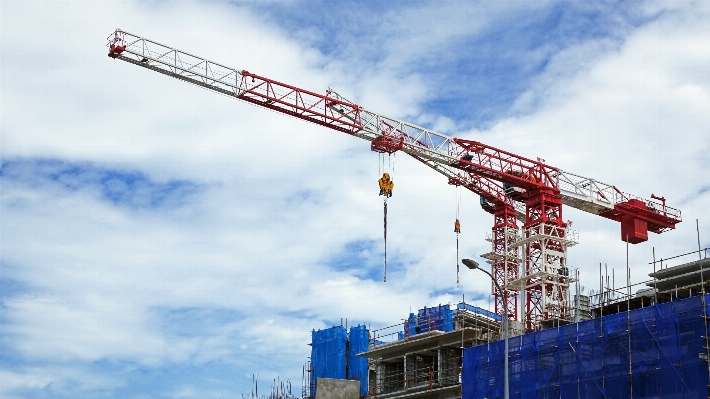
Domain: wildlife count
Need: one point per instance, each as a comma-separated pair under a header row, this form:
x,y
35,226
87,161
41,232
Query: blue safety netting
x,y
327,355
653,352
357,365
437,318
334,354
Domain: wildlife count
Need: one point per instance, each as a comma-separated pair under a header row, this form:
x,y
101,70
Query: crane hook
x,y
386,185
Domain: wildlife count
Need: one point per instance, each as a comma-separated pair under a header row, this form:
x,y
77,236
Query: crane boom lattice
x,y
511,187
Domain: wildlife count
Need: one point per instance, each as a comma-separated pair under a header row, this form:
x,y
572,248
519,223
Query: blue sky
x,y
161,241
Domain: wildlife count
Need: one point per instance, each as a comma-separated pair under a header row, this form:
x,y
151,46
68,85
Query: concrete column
x,y
439,367
405,372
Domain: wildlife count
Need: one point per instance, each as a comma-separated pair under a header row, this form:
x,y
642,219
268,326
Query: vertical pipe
x,y
601,337
505,268
506,393
703,300
655,287
578,361
523,296
462,320
628,316
601,306
700,260
405,372
439,368
576,297
606,292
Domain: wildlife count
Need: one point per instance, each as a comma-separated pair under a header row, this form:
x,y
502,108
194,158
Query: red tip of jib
x,y
115,51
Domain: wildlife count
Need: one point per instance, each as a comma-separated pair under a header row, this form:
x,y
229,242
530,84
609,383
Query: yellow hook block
x,y
386,185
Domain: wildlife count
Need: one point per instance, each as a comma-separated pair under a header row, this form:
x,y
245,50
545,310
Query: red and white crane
x,y
531,261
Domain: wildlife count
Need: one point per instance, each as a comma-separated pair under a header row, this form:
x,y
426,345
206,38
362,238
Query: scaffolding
x,y
422,356
658,351
545,277
649,344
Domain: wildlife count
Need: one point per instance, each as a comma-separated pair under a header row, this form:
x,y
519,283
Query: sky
x,y
161,241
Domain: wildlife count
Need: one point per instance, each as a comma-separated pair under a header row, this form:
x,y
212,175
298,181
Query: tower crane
x,y
531,260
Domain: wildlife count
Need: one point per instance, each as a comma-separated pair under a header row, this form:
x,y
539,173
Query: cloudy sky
x,y
160,240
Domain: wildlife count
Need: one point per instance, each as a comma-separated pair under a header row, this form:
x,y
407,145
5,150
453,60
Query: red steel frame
x,y
505,267
504,264
319,109
536,184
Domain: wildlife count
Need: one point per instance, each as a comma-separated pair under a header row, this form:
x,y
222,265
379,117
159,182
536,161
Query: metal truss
x,y
390,134
514,187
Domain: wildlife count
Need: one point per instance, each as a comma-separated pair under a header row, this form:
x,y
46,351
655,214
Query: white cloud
x,y
636,118
277,197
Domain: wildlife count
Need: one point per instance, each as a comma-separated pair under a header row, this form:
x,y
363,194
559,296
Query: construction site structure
x,y
418,358
657,351
649,344
533,264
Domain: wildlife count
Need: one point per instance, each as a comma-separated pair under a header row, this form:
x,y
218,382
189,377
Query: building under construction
x,y
649,344
608,344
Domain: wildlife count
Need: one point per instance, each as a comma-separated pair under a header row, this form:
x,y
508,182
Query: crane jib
x,y
499,176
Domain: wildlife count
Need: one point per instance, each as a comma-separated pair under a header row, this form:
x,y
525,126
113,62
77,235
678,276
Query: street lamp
x,y
472,264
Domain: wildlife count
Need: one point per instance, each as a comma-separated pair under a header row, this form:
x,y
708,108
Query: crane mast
x,y
531,261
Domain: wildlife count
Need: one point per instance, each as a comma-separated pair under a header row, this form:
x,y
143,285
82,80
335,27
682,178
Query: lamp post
x,y
472,264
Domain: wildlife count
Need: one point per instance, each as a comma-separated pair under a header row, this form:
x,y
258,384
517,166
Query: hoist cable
x,y
458,202
386,187
457,229
457,260
385,220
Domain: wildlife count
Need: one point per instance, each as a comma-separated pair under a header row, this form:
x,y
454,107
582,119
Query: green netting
x,y
653,352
